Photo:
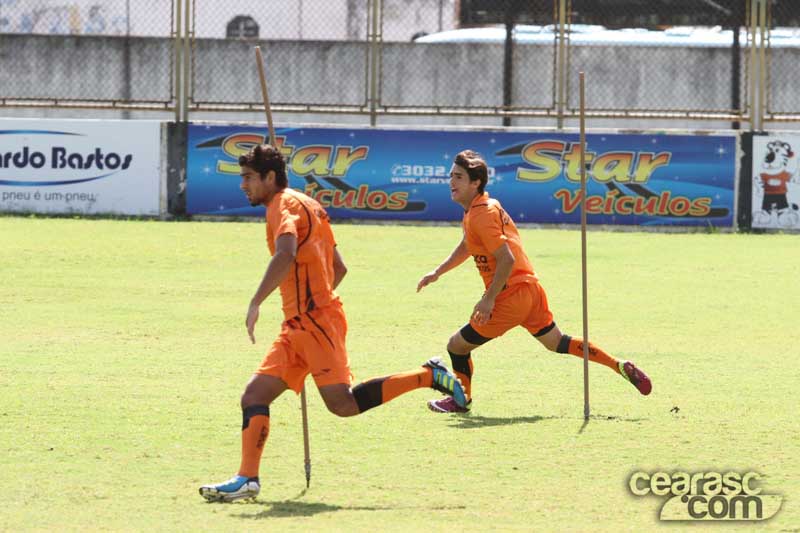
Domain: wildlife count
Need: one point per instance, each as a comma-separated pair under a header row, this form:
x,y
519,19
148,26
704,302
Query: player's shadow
x,y
472,421
294,508
290,508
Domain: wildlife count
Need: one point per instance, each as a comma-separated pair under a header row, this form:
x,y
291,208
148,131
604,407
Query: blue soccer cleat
x,y
446,382
236,488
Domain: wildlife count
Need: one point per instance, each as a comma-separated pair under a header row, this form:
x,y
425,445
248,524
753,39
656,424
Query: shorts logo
x,y
729,496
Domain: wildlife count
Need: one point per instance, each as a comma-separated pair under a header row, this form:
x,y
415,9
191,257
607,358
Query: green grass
x,y
123,354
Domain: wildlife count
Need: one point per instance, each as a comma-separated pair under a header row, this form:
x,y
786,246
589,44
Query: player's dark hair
x,y
475,166
264,157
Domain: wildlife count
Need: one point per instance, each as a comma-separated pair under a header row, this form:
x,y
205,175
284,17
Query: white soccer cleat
x,y
236,488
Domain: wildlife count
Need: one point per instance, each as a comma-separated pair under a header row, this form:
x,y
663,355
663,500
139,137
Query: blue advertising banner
x,y
634,179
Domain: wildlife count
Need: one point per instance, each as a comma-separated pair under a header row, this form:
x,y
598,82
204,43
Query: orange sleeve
x,y
284,219
489,229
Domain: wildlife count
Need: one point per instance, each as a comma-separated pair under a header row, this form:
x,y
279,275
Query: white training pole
x,y
583,248
265,94
303,402
306,450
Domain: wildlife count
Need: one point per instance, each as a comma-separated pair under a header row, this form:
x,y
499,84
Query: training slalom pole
x,y
582,77
265,95
303,403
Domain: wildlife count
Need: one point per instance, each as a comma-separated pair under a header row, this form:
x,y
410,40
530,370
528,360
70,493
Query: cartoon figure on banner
x,y
779,168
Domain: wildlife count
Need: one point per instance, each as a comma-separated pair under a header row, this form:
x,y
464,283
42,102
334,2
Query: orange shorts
x,y
523,305
311,343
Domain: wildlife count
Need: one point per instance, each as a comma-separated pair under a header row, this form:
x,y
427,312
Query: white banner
x,y
776,181
80,166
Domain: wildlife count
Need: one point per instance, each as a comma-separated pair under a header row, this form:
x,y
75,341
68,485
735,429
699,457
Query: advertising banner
x,y
776,181
634,179
82,167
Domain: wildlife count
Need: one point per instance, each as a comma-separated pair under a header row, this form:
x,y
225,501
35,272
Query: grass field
x,y
123,354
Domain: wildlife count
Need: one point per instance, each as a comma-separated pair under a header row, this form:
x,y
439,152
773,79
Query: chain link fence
x,y
783,58
643,58
500,55
315,51
655,56
104,53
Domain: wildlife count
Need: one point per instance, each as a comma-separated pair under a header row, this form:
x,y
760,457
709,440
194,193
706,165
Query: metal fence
x,y
783,62
682,71
82,53
316,54
738,60
452,73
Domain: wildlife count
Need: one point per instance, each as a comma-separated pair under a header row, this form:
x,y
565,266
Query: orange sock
x,y
574,346
255,429
378,391
397,384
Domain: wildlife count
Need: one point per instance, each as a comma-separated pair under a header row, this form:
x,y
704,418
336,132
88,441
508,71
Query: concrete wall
x,y
277,19
330,72
80,67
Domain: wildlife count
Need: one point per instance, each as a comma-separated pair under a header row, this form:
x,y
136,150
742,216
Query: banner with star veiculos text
x,y
403,174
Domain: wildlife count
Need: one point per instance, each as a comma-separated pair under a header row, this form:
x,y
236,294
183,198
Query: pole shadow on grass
x,y
606,418
295,508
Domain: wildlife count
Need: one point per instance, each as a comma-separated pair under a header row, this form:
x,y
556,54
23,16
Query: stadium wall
x,y
333,73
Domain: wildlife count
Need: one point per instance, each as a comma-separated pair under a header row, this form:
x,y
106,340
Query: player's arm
x,y
339,268
282,260
505,263
458,256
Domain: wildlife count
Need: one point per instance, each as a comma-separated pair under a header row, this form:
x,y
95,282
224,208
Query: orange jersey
x,y
775,183
309,283
486,228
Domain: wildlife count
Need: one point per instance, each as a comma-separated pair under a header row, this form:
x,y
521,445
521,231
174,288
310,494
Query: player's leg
x,y
460,351
541,325
509,311
555,341
258,396
326,353
260,392
280,369
342,400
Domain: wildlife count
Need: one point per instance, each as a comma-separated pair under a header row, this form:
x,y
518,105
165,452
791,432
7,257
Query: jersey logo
x,y
482,262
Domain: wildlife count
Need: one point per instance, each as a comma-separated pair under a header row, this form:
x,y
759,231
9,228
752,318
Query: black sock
x,y
369,394
563,344
253,410
461,363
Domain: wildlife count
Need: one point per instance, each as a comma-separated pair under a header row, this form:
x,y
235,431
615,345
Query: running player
x,y
513,295
307,267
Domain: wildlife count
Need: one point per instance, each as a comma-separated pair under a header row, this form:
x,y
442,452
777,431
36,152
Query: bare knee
x,y
552,346
341,409
261,390
458,345
551,339
249,398
339,399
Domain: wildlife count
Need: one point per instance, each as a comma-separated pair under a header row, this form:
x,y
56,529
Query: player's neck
x,y
268,198
465,204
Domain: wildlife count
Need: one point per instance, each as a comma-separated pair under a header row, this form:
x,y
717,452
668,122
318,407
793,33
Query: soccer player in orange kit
x,y
307,267
513,295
